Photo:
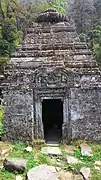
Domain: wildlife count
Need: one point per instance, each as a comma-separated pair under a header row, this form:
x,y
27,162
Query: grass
x,y
19,152
89,161
1,121
36,158
96,175
85,160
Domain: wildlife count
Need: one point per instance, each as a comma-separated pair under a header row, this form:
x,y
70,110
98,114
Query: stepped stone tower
x,y
52,69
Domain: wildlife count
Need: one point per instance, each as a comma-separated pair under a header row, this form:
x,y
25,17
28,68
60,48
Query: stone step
x,y
54,151
52,145
49,29
49,53
56,46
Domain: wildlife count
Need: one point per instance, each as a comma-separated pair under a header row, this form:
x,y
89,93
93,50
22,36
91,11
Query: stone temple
x,y
52,86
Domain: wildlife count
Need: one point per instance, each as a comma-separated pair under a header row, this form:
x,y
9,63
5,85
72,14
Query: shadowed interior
x,y
52,115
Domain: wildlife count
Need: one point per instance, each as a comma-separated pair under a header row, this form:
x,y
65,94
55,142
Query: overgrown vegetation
x,y
36,158
59,5
87,17
86,161
15,18
94,42
1,121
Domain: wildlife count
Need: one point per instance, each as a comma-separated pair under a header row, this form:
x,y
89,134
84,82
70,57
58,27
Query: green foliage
x,y
59,5
85,159
94,42
0,32
96,175
1,121
75,168
19,152
3,7
43,159
32,163
10,35
97,151
97,51
43,6
16,18
18,147
3,62
4,174
5,48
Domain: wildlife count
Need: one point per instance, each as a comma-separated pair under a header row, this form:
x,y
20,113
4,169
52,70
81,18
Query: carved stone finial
x,y
50,15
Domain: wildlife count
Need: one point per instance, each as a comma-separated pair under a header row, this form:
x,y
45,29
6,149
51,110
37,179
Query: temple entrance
x,y
52,116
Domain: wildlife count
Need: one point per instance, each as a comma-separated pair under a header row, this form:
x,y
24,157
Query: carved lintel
x,y
57,77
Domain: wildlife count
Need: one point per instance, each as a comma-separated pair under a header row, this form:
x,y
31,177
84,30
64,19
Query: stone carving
x,y
52,16
53,78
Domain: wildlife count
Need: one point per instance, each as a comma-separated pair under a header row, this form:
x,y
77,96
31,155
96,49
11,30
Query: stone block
x,y
15,164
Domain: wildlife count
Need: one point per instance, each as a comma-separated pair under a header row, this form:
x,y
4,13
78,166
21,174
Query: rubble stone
x,y
73,160
86,172
42,172
86,150
15,164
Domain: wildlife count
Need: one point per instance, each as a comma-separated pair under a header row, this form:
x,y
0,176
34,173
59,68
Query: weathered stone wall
x,y
52,63
86,113
18,120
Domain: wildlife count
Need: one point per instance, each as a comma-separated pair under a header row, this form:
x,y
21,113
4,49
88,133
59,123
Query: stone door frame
x,y
52,93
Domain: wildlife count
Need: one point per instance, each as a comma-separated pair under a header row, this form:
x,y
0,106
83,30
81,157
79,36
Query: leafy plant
x,y
19,152
75,168
85,159
43,159
94,42
59,5
1,121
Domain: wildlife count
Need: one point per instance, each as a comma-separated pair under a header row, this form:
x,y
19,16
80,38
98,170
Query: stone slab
x,y
55,151
86,150
54,143
86,172
42,172
72,160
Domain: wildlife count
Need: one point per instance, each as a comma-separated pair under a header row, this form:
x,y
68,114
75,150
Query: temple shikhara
x,y
52,86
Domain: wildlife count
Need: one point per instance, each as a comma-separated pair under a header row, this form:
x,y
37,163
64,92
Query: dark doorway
x,y
52,115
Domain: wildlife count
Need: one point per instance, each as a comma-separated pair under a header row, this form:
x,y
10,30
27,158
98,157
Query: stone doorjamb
x,y
55,93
